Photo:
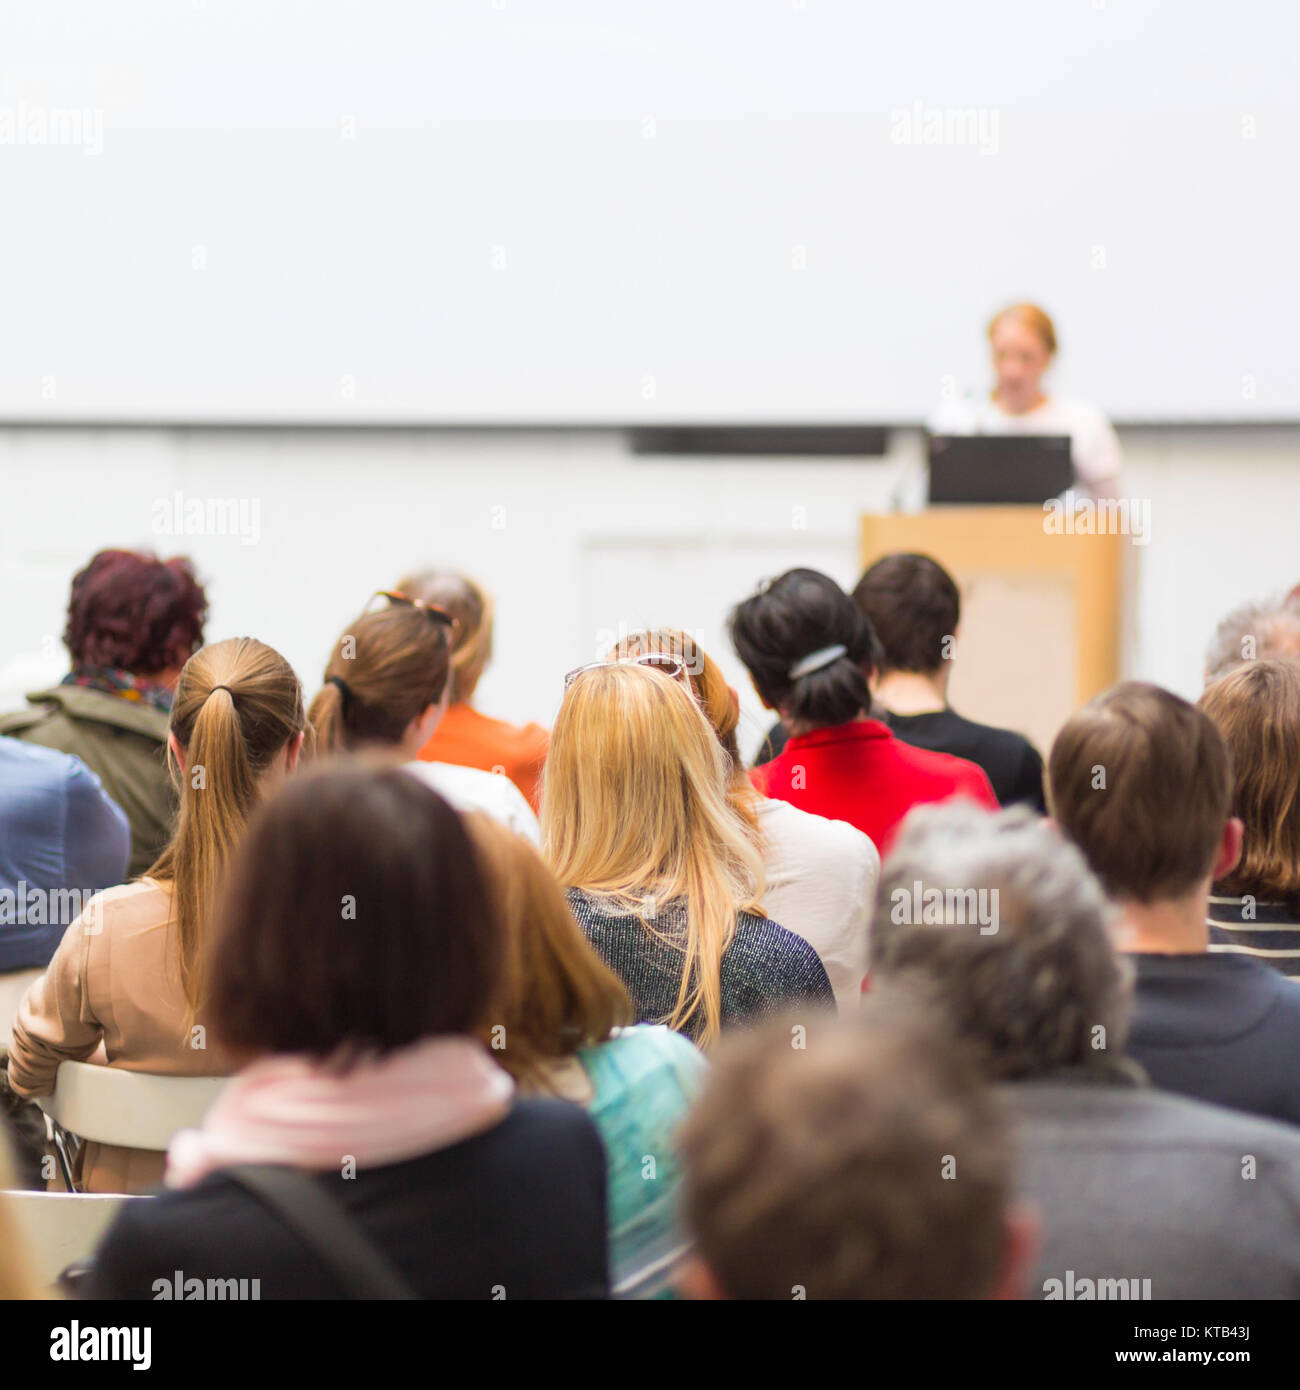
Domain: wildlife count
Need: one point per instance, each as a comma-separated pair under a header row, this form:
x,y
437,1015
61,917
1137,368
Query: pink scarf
x,y
290,1110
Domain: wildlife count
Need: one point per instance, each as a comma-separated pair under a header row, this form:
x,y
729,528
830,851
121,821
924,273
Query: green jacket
x,y
124,743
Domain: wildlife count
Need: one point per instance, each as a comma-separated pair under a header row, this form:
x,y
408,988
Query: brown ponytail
x,y
238,703
385,671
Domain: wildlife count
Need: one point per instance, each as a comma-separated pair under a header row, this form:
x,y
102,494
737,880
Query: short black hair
x,y
914,605
356,915
801,612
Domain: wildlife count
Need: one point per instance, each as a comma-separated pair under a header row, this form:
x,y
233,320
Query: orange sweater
x,y
470,739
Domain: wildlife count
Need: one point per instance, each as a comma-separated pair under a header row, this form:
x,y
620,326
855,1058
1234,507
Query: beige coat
x,y
112,988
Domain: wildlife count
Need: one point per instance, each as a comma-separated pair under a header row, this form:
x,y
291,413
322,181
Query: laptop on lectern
x,y
999,468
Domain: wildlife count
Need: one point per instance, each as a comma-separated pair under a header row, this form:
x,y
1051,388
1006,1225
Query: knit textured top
x,y
764,970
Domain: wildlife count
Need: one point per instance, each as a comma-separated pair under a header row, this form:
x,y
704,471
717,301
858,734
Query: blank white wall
x,y
514,211
574,536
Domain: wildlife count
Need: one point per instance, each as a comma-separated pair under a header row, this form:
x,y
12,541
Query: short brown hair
x,y
557,995
830,1167
914,606
1257,710
1140,780
355,915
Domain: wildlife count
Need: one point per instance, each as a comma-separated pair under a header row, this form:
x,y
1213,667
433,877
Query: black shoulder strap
x,y
309,1211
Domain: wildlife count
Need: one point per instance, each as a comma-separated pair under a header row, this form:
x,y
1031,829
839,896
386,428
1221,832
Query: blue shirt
x,y
62,839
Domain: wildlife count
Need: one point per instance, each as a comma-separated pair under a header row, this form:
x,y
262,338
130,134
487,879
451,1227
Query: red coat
x,y
860,773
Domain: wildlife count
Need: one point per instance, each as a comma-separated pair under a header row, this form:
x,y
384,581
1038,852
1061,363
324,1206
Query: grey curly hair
x,y
1266,628
1044,988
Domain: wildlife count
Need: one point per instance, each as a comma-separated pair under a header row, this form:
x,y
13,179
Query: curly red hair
x,y
136,612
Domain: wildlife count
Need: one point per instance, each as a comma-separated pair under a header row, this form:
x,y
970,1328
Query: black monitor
x,y
992,468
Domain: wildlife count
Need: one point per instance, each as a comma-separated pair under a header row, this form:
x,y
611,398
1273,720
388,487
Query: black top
x,y
515,1212
773,744
1220,1027
1011,761
764,970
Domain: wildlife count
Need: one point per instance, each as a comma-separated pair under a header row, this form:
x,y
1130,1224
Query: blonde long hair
x,y
710,688
238,703
634,808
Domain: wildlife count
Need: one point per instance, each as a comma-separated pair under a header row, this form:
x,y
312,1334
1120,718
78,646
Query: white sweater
x,y
472,789
821,884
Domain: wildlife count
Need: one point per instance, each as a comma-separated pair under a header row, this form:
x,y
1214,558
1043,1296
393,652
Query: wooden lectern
x,y
1041,620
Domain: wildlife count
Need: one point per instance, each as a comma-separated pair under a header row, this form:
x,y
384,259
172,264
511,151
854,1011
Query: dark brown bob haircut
x,y
914,605
355,917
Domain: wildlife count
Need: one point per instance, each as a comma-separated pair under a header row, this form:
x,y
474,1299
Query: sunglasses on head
x,y
390,598
654,661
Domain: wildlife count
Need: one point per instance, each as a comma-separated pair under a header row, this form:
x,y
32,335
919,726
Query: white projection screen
x,y
622,211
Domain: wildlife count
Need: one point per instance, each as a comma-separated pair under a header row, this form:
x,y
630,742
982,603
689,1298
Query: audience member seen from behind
x,y
62,838
998,923
133,622
562,1029
663,878
1216,1025
129,974
465,736
811,653
914,606
387,685
1258,631
872,1161
362,1071
1255,907
819,875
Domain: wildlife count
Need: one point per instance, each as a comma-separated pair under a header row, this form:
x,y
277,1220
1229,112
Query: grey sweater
x,y
766,968
1135,1184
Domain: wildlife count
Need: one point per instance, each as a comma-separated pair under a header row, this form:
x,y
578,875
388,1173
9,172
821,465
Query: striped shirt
x,y
1249,927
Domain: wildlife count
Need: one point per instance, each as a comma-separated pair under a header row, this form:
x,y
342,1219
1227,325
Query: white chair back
x,y
131,1108
60,1229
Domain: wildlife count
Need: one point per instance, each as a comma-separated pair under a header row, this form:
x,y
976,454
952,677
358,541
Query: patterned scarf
x,y
113,681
